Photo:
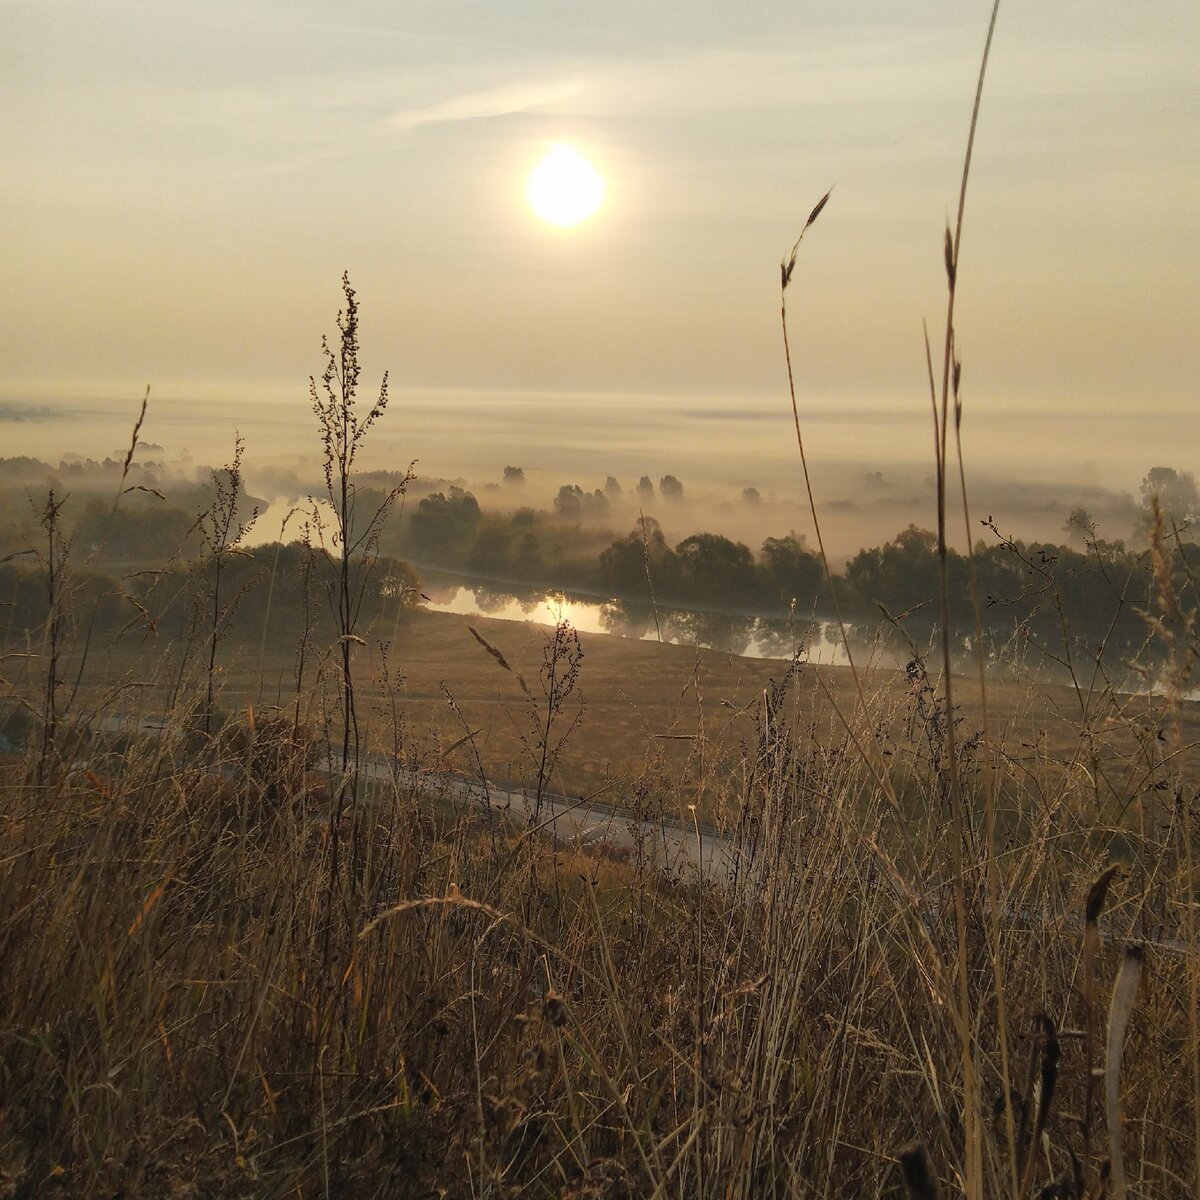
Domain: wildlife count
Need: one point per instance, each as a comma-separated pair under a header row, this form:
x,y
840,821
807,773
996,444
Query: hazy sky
x,y
184,182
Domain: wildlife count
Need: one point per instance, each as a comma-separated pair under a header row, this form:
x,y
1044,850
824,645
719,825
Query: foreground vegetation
x,y
202,1000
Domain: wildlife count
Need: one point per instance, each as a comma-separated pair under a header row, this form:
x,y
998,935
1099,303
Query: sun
x,y
564,188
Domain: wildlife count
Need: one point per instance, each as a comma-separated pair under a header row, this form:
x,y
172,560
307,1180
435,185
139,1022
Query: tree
x,y
751,495
713,568
613,487
140,531
572,502
645,488
490,553
903,574
568,504
1177,494
444,522
670,488
528,564
790,571
625,563
513,475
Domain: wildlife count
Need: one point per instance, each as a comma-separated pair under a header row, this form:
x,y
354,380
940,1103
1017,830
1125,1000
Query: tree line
x,y
274,585
1039,588
1034,584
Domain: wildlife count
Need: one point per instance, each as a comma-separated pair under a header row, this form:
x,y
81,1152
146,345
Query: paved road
x,y
592,825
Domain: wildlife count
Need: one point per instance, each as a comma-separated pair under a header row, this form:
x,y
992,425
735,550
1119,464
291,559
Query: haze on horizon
x,y
184,185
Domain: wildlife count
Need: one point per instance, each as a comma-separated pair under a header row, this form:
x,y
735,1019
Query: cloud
x,y
823,73
501,101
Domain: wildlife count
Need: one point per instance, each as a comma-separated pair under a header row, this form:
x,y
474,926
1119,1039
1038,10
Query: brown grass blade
x,y
786,269
1123,999
1093,907
1046,1052
499,658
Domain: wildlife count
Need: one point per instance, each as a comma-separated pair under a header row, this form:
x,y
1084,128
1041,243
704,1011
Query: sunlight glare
x,y
564,188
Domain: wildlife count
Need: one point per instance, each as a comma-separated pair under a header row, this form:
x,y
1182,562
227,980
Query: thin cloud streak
x,y
825,73
501,101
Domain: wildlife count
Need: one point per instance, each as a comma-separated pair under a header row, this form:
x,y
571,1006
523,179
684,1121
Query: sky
x,y
182,184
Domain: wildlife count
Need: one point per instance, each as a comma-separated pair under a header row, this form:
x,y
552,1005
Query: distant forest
x,y
1098,589
134,552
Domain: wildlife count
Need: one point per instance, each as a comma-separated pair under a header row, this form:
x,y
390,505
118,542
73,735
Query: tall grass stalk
x,y
343,431
223,526
54,564
951,369
1177,628
787,270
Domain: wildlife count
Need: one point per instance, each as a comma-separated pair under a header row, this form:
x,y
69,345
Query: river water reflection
x,y
748,635
816,639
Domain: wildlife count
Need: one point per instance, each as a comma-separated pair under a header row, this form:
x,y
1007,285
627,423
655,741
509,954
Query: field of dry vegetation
x,y
212,990
256,941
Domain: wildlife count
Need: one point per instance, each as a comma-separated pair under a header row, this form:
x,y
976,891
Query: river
x,y
747,635
816,639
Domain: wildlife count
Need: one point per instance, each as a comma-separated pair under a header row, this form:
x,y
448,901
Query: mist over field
x,y
872,467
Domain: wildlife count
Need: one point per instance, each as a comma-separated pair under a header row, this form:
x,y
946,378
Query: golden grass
x,y
647,706
195,1002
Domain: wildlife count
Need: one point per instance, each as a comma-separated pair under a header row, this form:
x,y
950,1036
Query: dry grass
x,y
645,706
494,1019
